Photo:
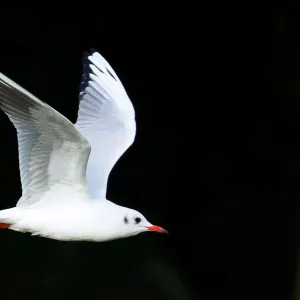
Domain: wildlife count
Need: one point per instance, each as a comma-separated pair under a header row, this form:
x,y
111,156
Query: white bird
x,y
64,168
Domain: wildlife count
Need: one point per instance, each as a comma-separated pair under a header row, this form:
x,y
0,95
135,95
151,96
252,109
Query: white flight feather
x,y
106,118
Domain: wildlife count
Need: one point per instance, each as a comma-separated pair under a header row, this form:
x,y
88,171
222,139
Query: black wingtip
x,y
83,86
92,51
84,77
86,54
86,68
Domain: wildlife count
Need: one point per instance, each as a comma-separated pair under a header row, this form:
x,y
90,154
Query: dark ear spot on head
x,y
125,220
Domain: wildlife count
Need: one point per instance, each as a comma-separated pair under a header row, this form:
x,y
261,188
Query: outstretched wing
x,y
106,118
51,150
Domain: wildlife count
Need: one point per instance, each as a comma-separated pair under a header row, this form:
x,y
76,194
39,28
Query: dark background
x,y
216,159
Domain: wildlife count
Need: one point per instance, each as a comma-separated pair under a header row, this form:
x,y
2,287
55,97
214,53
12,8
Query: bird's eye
x,y
125,220
137,220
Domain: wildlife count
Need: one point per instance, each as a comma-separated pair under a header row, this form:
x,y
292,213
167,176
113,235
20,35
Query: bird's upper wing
x,y
51,150
106,118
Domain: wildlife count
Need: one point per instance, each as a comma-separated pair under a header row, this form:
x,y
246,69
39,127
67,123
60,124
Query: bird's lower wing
x,y
51,151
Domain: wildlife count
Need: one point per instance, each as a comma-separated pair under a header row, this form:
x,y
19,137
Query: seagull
x,y
64,167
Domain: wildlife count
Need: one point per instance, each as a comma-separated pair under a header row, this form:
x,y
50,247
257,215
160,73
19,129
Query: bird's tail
x,y
8,217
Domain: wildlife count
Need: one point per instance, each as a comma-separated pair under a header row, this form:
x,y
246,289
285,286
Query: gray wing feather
x,y
51,150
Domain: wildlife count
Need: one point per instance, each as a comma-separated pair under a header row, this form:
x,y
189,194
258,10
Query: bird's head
x,y
134,223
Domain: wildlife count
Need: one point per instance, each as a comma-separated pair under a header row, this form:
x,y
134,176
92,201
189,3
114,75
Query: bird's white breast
x,y
86,220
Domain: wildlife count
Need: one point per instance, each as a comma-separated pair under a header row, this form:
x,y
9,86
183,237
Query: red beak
x,y
157,229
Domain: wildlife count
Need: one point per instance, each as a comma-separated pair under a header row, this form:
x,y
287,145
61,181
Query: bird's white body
x,y
64,168
87,221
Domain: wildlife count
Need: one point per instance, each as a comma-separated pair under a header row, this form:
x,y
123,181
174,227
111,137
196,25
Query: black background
x,y
215,161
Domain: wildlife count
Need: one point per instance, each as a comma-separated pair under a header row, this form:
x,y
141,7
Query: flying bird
x,y
64,167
